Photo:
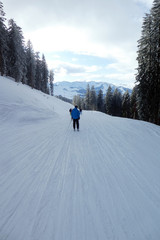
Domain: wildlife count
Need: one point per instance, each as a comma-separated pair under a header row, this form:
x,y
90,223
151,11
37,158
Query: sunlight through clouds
x,y
101,31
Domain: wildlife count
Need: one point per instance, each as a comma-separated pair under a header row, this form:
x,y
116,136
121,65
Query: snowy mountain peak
x,y
70,89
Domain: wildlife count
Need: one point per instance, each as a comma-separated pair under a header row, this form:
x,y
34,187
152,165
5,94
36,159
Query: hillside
x,y
100,183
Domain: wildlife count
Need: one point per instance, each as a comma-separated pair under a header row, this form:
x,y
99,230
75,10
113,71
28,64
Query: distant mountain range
x,y
70,89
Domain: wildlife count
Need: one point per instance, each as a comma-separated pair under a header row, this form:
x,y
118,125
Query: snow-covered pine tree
x,y
82,103
148,76
145,69
51,80
30,64
126,105
38,74
16,56
87,98
93,98
44,69
3,42
74,101
100,101
77,100
155,84
108,101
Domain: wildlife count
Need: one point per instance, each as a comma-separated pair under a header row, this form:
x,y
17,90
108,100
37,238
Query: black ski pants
x,y
76,123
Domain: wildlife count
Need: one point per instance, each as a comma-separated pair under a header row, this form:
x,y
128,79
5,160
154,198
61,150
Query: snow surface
x,y
102,183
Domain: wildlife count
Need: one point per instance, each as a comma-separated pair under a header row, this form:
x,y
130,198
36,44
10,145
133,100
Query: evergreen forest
x,y
19,61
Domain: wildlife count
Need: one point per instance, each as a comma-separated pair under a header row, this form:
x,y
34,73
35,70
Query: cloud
x,y
103,21
76,72
70,68
148,3
104,28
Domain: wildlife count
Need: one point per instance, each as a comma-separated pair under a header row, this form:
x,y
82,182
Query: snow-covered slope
x,y
97,184
70,89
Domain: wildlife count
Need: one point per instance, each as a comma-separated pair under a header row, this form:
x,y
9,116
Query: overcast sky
x,y
83,39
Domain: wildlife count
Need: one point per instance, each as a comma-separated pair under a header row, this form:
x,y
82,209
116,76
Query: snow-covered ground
x,y
101,183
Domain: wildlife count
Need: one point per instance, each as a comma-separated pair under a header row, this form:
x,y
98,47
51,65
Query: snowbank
x,y
100,183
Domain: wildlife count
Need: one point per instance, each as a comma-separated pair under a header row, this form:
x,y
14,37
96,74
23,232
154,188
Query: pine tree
x,y
148,76
133,103
126,105
82,103
108,101
38,73
92,98
74,101
77,100
51,80
44,71
17,61
87,98
30,64
155,85
116,103
145,69
3,42
100,102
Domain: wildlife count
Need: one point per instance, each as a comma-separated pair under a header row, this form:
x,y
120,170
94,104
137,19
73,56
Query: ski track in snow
x,y
101,183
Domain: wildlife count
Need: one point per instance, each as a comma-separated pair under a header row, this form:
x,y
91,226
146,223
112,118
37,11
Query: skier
x,y
70,110
75,116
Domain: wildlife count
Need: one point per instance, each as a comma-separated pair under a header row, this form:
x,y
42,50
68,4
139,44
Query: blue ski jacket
x,y
75,113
